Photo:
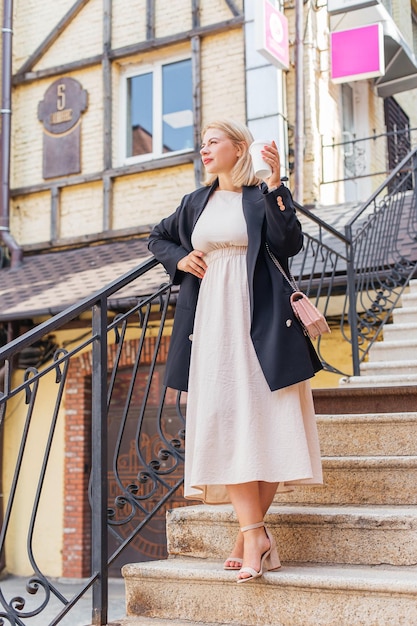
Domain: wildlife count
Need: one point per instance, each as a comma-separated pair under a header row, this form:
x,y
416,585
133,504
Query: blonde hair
x,y
239,135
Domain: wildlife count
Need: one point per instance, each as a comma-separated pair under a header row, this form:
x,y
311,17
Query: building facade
x,y
108,99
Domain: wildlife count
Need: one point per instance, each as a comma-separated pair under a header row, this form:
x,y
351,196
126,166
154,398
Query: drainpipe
x,y
299,104
16,253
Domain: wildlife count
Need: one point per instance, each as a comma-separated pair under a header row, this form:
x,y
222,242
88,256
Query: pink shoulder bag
x,y
313,322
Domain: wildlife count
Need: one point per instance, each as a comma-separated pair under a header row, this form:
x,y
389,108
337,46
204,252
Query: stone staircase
x,y
348,549
393,361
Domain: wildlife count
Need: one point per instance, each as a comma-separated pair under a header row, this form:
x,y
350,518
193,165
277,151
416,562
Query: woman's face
x,y
218,153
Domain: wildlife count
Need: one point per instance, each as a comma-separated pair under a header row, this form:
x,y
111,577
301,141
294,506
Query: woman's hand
x,y
270,154
193,263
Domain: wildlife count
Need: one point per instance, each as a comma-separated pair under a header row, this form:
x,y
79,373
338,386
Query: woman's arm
x,y
170,242
283,230
165,245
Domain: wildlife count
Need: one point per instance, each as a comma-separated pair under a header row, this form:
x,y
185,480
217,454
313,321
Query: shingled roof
x,y
48,283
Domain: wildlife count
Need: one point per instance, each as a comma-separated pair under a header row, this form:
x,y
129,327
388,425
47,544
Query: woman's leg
x,y
266,495
251,501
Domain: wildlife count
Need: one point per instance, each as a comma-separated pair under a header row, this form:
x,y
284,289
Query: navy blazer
x,y
285,354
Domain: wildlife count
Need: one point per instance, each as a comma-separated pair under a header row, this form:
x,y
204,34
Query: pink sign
x,y
272,34
357,53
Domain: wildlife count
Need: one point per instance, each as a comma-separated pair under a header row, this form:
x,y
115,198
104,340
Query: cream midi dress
x,y
237,430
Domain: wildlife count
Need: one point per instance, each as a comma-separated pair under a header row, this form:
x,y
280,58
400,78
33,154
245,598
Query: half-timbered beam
x,y
52,37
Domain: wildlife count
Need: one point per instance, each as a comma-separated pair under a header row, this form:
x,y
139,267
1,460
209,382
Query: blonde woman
x,y
236,345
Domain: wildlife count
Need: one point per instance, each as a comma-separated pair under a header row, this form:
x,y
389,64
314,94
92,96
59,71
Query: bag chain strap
x,y
291,282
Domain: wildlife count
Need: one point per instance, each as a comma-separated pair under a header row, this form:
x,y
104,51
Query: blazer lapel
x,y
254,212
203,199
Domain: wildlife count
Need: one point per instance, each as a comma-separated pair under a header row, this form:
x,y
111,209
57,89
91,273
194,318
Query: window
x,y
159,116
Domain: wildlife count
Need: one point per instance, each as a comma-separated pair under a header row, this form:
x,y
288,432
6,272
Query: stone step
x,y
360,480
372,434
407,315
152,621
200,590
400,332
390,368
321,534
404,350
409,300
413,286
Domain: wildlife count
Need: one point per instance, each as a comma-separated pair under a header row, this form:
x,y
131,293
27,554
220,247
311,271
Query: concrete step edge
x,y
390,580
401,326
367,418
380,380
158,621
365,516
368,462
394,364
399,343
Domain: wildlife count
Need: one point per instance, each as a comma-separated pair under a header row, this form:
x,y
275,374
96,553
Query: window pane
x,y
139,115
177,106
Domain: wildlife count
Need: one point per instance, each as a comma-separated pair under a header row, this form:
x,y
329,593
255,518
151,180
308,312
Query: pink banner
x,y
357,53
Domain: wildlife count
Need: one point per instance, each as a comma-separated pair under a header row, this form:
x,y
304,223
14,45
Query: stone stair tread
x,y
224,513
154,621
368,417
364,516
371,514
395,343
391,364
389,579
401,326
381,380
369,461
313,533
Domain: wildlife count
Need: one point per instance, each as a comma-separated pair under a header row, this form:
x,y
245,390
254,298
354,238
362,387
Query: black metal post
x,y
351,293
99,463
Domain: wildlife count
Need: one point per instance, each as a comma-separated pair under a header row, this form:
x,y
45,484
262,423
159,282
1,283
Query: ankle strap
x,y
252,526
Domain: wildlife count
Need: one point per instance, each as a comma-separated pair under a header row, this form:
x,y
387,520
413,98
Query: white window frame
x,y
156,70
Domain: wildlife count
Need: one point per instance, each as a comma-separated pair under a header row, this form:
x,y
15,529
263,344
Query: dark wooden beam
x,y
53,36
150,19
126,51
161,42
233,7
57,70
125,170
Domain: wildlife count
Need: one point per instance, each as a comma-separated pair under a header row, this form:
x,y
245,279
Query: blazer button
x,y
190,337
288,323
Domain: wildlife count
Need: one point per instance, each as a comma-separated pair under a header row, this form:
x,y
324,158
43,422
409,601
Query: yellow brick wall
x,y
81,210
128,22
217,11
30,217
32,22
223,77
146,198
172,17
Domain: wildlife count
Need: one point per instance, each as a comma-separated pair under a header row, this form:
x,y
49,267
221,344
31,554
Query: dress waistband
x,y
226,251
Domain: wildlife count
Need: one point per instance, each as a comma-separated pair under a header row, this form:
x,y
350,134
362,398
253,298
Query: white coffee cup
x,y
261,167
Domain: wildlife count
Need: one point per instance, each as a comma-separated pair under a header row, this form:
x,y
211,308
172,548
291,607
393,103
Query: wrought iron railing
x,y
124,431
357,158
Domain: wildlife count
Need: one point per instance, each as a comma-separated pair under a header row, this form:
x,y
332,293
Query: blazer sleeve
x,y
283,229
167,246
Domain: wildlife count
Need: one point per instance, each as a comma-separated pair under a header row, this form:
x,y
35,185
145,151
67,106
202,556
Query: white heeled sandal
x,y
269,559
